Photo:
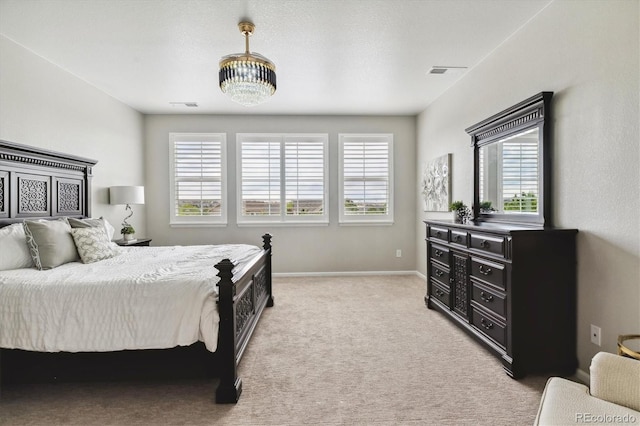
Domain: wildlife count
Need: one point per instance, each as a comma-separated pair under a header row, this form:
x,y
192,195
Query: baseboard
x,y
344,274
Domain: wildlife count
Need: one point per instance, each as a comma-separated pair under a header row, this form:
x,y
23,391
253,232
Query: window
x,y
366,178
198,179
282,178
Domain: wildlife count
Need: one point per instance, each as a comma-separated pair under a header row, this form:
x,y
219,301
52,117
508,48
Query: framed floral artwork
x,y
436,184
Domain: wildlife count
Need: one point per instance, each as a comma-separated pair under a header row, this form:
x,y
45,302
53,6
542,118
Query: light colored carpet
x,y
333,351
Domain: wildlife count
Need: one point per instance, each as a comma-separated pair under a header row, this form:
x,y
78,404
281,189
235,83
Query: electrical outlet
x,y
596,335
398,253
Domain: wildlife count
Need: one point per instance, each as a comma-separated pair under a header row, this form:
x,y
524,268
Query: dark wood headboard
x,y
37,183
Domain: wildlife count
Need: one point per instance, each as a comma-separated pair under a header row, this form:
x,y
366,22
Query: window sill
x,y
198,225
281,224
367,223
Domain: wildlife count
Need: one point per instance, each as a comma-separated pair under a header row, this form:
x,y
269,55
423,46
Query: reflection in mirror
x,y
509,174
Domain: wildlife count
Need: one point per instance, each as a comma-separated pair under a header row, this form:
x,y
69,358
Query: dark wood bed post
x,y
266,238
237,323
230,386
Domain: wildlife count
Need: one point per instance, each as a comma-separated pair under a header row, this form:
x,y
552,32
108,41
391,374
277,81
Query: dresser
x,y
512,288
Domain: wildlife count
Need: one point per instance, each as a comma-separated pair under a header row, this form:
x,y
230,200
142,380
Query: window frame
x,y
198,221
282,218
363,219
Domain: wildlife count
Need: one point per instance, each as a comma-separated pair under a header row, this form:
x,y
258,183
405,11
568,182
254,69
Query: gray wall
x,y
298,249
44,106
586,52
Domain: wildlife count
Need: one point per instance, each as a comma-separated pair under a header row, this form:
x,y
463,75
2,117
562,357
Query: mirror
x,y
509,175
511,179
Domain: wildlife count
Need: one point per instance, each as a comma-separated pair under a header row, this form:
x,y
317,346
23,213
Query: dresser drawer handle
x,y
438,253
485,324
484,271
438,234
484,244
439,292
458,238
439,273
485,297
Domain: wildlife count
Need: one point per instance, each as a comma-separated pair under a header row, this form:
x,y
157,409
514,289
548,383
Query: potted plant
x,y
127,231
485,207
460,211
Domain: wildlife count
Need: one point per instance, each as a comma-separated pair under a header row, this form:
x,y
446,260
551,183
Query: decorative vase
x,y
456,217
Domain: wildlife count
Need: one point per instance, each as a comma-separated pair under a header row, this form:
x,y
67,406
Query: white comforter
x,y
144,298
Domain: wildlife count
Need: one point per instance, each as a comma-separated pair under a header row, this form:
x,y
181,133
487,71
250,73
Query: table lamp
x,y
126,195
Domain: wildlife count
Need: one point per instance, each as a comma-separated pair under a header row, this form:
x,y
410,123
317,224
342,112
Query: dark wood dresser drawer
x,y
439,253
441,294
459,237
490,327
488,243
439,233
489,272
494,301
440,274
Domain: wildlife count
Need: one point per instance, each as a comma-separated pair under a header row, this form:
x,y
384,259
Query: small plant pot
x,y
128,237
456,218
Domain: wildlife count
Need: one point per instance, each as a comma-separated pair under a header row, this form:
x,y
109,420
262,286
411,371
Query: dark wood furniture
x,y
511,158
41,184
510,287
139,242
507,277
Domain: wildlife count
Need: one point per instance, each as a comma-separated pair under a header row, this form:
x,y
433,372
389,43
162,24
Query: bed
x,y
133,301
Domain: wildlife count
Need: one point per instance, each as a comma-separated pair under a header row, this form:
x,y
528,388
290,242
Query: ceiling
x,y
332,56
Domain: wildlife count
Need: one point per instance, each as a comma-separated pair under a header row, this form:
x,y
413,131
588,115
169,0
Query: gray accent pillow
x,y
92,223
50,243
85,223
93,244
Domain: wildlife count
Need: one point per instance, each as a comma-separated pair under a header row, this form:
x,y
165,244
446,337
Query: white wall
x,y
330,248
44,106
586,52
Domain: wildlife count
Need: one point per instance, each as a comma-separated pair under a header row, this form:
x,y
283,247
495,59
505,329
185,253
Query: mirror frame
x,y
528,114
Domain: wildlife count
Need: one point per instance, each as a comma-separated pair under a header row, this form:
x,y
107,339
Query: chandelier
x,y
247,78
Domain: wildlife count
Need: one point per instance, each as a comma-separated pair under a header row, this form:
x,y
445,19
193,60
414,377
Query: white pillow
x,y
108,227
92,244
14,252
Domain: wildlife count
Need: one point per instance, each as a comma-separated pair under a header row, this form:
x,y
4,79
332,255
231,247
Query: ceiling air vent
x,y
439,69
187,104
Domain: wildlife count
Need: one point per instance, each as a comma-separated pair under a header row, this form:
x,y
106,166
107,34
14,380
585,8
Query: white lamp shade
x,y
126,195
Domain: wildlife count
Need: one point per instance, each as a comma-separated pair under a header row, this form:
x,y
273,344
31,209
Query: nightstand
x,y
139,242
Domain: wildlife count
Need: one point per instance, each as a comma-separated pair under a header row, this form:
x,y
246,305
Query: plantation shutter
x,y
197,183
283,177
304,177
366,176
260,176
198,177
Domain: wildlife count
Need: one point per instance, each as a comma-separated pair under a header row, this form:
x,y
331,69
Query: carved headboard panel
x,y
36,183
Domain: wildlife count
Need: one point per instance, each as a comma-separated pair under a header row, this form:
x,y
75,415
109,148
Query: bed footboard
x,y
241,299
